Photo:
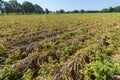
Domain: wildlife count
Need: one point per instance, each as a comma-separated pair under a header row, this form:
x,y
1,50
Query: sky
x,y
68,5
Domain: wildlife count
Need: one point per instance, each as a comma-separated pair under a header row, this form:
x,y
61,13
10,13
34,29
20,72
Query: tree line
x,y
13,6
111,9
105,10
77,11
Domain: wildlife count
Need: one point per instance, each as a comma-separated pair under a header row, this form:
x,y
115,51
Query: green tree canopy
x,y
38,9
75,11
47,11
15,6
8,7
117,9
28,7
60,11
105,10
1,6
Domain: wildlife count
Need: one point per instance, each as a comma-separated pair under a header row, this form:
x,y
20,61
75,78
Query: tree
x,y
1,2
82,11
1,6
105,10
28,7
60,11
75,11
68,12
38,9
15,6
111,9
8,7
46,11
117,9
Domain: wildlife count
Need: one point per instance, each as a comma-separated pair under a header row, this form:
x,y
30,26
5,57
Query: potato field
x,y
60,47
